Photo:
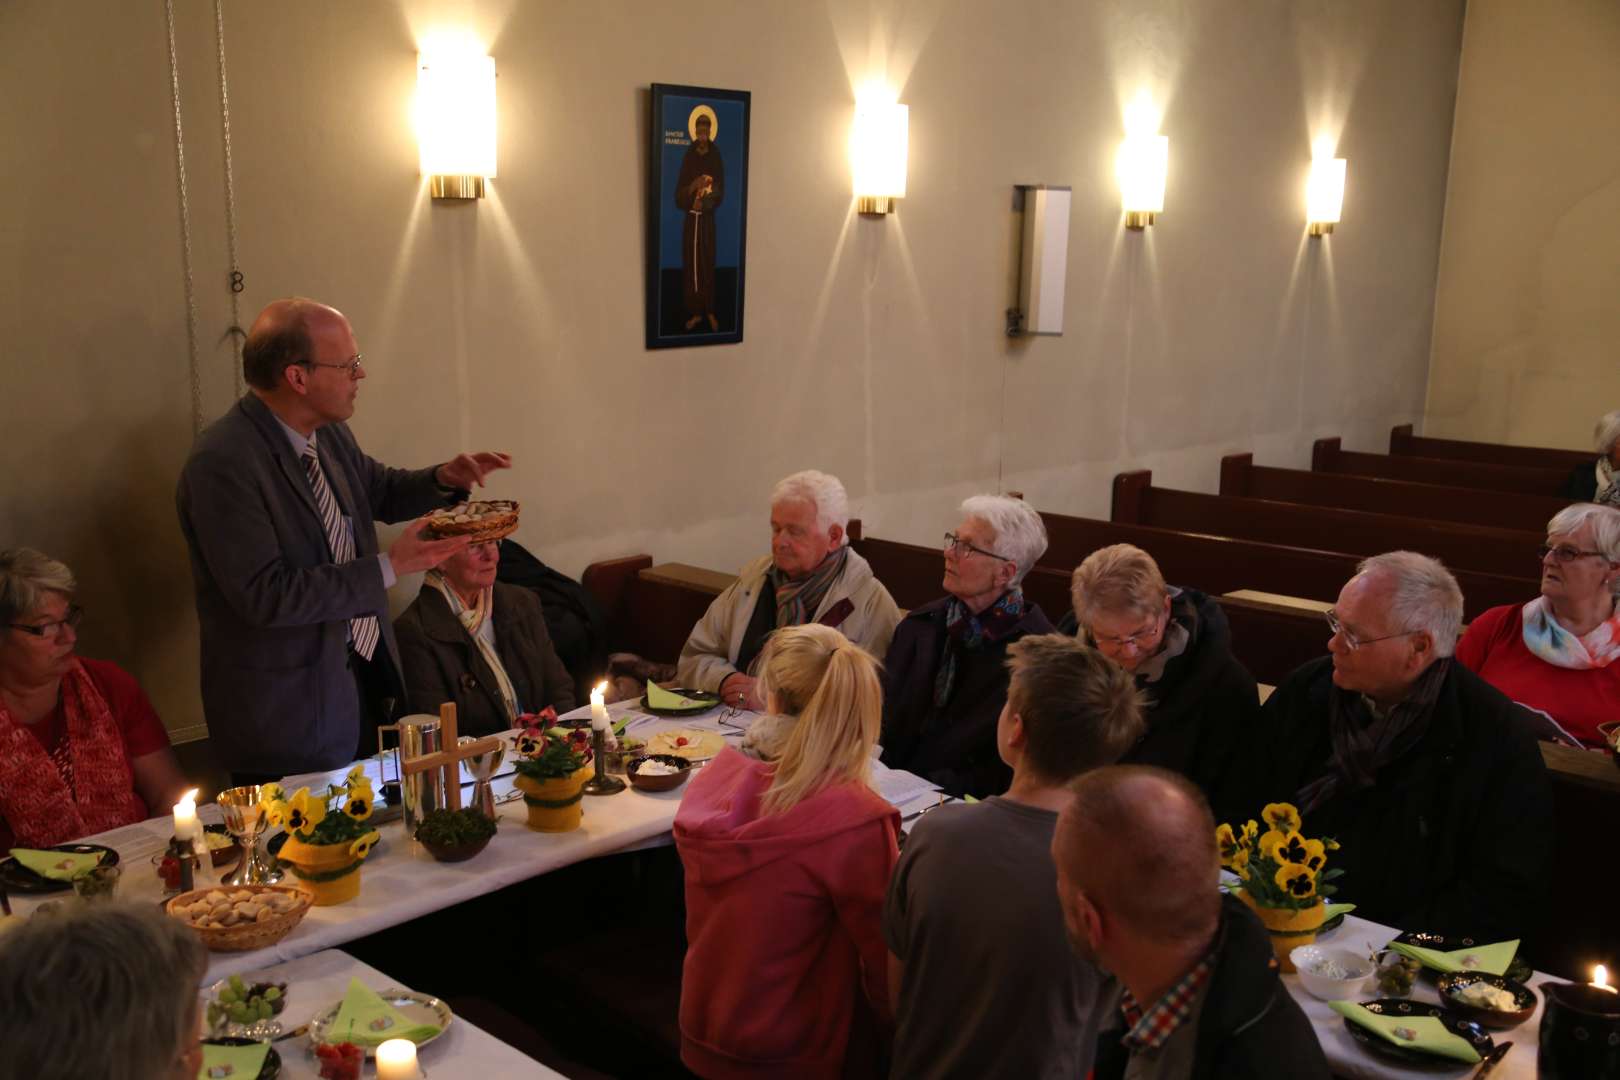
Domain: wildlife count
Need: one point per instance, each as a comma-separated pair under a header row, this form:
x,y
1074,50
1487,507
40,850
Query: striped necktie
x,y
363,631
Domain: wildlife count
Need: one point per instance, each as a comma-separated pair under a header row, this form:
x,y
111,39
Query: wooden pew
x,y
1222,564
1503,509
1329,457
651,610
1358,532
1405,444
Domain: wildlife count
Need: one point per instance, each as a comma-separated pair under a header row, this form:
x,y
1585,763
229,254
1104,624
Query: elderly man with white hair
x,y
1600,481
811,575
1425,774
945,677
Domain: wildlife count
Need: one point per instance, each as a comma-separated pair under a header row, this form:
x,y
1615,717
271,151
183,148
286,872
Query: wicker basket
x,y
243,937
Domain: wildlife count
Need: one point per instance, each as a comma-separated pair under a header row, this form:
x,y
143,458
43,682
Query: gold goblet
x,y
245,820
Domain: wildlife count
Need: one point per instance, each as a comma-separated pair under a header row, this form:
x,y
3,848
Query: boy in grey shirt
x,y
981,977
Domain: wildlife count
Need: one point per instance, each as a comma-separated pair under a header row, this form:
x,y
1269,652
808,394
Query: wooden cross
x,y
450,758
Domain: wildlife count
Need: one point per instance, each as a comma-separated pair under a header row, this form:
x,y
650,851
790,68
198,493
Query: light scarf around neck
x,y
472,620
1608,489
1544,636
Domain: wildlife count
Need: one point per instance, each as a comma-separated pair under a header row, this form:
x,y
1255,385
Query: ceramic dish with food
x,y
272,1060
1331,974
1421,1059
688,743
658,772
1516,969
417,1008
482,521
240,1009
15,877
1494,1001
694,703
629,747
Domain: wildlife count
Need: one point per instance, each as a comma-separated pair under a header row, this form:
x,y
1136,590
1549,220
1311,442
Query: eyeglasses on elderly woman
x,y
1564,554
74,616
956,545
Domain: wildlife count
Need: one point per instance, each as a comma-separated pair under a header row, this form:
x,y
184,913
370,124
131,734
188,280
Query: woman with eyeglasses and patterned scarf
x,y
81,749
1202,704
1558,653
945,676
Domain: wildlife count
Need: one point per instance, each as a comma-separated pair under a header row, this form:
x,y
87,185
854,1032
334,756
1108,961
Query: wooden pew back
x,y
1327,455
1405,444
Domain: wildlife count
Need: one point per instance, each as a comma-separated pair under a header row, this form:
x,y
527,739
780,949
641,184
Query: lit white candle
x,y
599,713
186,825
396,1060
1600,979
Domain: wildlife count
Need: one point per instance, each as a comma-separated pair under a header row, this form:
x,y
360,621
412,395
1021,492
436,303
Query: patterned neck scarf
x,y
965,630
1364,742
1608,491
472,620
1560,648
797,601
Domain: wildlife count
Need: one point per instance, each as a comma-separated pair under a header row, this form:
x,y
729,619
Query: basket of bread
x,y
241,918
492,519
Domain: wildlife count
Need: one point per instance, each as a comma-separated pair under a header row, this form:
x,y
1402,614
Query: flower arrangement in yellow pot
x,y
1283,875
327,837
552,765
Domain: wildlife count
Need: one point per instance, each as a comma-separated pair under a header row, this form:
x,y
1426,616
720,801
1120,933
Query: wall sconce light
x,y
1324,191
455,121
877,150
1143,160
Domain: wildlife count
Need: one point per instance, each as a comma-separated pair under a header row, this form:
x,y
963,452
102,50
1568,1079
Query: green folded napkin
x,y
56,865
1333,911
1424,1033
367,1020
236,1062
969,799
1492,959
624,722
659,698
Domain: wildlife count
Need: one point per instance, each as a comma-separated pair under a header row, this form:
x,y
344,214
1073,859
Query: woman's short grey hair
x,y
1425,597
26,576
1020,533
1605,522
1607,433
106,989
822,490
1120,579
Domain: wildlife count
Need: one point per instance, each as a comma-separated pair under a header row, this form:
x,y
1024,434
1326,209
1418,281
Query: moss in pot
x,y
455,835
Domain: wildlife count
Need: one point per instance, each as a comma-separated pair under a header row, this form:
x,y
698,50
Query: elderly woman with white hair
x,y
1599,482
1558,653
81,749
945,677
1425,774
810,576
1202,704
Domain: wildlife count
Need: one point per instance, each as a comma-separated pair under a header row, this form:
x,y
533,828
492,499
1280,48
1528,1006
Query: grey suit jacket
x,y
272,607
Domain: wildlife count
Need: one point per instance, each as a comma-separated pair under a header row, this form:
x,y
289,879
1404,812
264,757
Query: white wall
x,y
874,347
1526,319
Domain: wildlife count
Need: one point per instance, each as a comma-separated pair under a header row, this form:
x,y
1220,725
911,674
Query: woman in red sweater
x,y
786,866
1558,653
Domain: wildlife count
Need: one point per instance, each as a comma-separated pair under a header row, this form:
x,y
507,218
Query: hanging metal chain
x,y
235,331
185,227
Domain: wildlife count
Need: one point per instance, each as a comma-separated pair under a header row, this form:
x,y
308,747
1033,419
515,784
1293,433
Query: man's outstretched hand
x,y
467,471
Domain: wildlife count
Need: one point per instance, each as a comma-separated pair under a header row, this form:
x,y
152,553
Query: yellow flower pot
x,y
1289,929
554,805
328,871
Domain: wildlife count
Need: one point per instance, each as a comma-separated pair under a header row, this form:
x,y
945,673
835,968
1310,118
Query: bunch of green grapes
x,y
242,1004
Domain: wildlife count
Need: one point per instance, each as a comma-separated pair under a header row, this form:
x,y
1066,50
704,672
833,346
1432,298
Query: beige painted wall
x,y
875,348
1526,319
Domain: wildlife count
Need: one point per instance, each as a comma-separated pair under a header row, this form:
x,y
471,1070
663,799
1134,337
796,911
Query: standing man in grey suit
x,y
278,503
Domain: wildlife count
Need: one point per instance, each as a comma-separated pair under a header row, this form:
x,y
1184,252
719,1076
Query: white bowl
x,y
1307,958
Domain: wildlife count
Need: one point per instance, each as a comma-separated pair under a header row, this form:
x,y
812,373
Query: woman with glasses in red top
x,y
81,749
1558,653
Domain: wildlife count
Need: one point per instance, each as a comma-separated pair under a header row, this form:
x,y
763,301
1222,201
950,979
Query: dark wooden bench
x,y
1405,444
1357,532
1328,456
1503,509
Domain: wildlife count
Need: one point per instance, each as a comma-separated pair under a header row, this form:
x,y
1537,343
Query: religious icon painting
x,y
697,216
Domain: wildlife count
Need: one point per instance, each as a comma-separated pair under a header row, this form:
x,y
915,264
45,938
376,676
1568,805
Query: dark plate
x,y
1496,1019
709,700
272,1060
1417,1058
18,878
1517,969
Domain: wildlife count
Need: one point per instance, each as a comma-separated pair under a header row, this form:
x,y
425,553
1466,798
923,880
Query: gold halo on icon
x,y
714,122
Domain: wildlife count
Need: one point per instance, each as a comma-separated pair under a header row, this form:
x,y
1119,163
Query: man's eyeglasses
x,y
955,545
75,614
352,366
1351,641
1564,553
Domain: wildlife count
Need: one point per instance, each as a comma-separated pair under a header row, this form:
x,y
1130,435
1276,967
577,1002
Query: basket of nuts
x,y
241,918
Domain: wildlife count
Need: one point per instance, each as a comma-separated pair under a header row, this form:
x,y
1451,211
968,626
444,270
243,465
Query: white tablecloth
x,y
1347,1057
315,983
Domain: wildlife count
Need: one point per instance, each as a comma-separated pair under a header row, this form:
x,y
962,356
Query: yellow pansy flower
x,y
1293,849
1226,842
304,812
1240,863
362,847
1315,854
275,812
271,792
357,775
1281,816
1297,881
1270,841
358,804
1251,830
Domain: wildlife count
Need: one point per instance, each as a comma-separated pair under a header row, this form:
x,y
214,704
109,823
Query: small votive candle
x,y
396,1060
599,713
1600,979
